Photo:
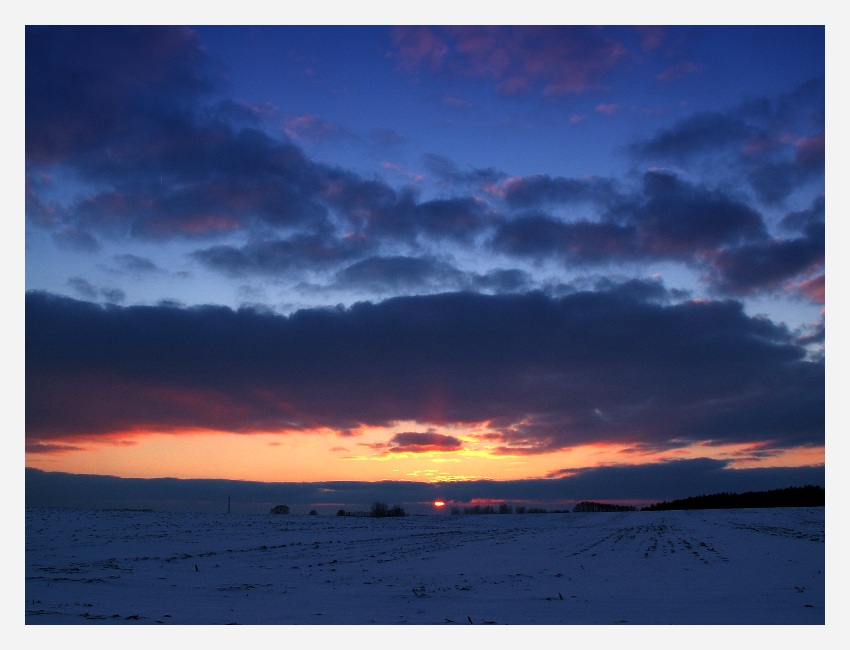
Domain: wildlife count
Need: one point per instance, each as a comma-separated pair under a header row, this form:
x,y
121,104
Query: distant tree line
x,y
593,506
378,509
503,509
791,497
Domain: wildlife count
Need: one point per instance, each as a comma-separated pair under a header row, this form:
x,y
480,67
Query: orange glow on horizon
x,y
439,504
364,454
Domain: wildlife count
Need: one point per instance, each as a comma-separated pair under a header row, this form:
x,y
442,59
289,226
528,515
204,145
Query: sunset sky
x,y
425,253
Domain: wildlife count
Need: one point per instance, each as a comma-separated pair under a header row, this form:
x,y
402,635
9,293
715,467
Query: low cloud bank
x,y
639,485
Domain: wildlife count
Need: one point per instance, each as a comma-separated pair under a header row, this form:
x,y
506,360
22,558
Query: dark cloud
x,y
83,288
87,290
547,373
89,86
49,448
696,135
421,442
540,235
129,263
74,239
711,231
113,295
773,181
751,141
770,264
502,281
542,189
278,257
678,218
454,219
130,112
449,173
680,479
399,274
799,220
157,155
669,218
377,210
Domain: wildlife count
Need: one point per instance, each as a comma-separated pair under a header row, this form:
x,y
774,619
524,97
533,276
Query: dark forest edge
x,y
791,497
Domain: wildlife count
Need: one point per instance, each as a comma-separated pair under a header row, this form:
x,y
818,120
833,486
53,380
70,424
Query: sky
x,y
446,256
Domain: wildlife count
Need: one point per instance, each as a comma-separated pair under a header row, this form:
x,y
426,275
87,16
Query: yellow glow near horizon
x,y
365,455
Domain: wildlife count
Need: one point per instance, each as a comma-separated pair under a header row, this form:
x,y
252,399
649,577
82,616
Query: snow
x,y
698,567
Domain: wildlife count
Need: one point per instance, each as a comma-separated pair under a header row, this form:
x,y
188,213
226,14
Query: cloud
x,y
668,219
799,220
550,60
87,290
377,210
449,173
280,256
675,217
697,134
398,274
417,443
140,72
540,236
644,485
83,287
179,163
545,373
502,281
129,263
542,189
156,154
754,267
74,239
313,128
775,143
814,289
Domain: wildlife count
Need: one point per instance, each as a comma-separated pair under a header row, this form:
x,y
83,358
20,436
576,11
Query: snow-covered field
x,y
749,567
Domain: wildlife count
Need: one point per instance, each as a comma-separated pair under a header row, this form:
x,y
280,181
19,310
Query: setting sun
x,y
439,504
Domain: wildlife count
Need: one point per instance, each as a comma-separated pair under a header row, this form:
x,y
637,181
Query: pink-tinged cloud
x,y
421,442
607,109
810,151
403,172
759,146
679,71
813,289
311,128
651,36
201,224
419,47
555,59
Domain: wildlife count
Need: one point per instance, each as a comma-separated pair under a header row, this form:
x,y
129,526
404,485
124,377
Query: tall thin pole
x,y
228,505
